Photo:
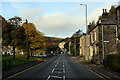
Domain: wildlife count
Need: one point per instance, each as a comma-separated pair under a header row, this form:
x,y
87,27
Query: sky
x,y
55,19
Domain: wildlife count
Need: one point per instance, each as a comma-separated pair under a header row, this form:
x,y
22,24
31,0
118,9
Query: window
x,y
91,37
119,15
95,35
95,50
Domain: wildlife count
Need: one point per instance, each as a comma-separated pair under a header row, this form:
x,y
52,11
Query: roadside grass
x,y
19,60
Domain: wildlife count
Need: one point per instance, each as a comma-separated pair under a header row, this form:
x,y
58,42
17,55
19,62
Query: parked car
x,y
40,54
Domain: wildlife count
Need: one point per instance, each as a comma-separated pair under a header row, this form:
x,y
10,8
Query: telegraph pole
x,y
27,43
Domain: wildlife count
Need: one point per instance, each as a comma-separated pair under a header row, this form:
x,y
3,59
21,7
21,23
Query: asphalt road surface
x,y
60,67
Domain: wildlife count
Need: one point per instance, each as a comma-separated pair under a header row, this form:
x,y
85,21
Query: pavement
x,y
60,67
99,69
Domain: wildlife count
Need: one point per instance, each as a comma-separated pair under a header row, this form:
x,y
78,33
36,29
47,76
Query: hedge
x,y
113,62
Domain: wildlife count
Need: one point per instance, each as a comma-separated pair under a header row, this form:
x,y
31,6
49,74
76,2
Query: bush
x,y
113,61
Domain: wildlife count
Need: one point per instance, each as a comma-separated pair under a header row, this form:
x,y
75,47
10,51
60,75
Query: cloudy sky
x,y
56,19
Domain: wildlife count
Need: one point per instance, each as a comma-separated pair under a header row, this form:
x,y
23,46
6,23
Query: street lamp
x,y
86,31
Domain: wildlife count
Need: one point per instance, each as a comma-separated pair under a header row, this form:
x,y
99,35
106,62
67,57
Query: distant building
x,y
83,46
61,46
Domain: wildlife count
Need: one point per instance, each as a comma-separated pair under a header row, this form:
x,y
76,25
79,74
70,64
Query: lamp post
x,y
75,44
86,31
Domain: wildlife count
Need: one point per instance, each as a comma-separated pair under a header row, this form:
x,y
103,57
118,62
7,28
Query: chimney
x,y
90,23
105,10
105,14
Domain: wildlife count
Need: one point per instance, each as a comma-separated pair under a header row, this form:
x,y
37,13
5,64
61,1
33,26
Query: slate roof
x,y
108,21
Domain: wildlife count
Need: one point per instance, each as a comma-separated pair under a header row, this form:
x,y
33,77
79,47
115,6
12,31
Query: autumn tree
x,y
16,35
112,13
6,33
75,39
67,40
35,38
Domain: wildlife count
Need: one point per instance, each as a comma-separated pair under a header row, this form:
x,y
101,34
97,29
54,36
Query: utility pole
x,y
75,45
27,43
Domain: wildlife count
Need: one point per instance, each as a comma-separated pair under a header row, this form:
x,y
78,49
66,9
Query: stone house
x,y
118,26
102,38
83,46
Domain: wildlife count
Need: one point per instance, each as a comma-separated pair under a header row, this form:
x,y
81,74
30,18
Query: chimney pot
x,y
105,10
90,23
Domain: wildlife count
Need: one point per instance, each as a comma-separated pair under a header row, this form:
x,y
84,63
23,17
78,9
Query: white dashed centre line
x,y
48,77
53,70
63,66
56,65
63,77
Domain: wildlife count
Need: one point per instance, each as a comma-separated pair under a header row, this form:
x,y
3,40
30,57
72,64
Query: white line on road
x,y
57,62
57,72
63,66
48,77
63,70
53,70
56,65
56,76
63,77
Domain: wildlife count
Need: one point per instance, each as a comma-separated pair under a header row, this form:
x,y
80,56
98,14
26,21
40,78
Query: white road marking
x,y
63,77
57,62
63,70
48,77
56,65
56,76
63,66
57,72
58,69
53,70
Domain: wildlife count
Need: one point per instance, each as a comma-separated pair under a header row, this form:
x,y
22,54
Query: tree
x,y
15,22
67,46
76,40
5,33
67,40
112,13
6,36
93,24
36,39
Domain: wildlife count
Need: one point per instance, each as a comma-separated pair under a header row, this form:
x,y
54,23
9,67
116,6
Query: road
x,y
60,67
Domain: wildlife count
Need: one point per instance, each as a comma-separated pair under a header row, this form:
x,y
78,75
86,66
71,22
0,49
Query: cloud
x,y
60,24
98,11
57,24
31,13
